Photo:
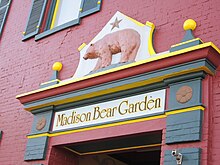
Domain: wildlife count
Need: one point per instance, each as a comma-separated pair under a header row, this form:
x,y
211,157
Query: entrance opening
x,y
139,149
139,157
136,157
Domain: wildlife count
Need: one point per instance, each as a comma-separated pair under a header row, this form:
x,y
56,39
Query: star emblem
x,y
115,23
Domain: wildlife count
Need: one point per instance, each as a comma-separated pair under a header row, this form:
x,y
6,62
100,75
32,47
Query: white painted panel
x,y
108,112
68,10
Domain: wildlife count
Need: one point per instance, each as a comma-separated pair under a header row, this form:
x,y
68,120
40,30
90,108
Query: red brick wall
x,y
24,65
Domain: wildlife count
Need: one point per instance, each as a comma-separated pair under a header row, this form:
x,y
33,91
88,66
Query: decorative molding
x,y
132,65
41,123
160,78
184,94
159,116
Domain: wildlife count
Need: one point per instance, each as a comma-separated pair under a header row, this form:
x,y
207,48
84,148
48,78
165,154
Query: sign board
x,y
122,40
137,106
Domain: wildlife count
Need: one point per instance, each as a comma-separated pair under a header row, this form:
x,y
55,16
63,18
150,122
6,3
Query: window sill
x,y
57,29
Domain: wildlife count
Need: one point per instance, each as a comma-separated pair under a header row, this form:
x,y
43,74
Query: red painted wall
x,y
24,65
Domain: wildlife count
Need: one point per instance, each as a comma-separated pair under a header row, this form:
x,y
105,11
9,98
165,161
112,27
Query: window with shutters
x,y
49,16
4,7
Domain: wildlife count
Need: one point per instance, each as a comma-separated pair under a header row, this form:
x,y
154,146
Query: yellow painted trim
x,y
125,87
81,46
98,127
215,47
56,80
113,150
154,58
185,110
150,24
120,123
55,14
38,135
182,43
150,39
69,149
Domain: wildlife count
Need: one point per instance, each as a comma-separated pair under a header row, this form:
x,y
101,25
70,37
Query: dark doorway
x,y
136,149
147,156
139,157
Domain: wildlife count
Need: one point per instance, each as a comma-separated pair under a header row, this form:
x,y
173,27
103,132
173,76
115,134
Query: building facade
x,y
109,82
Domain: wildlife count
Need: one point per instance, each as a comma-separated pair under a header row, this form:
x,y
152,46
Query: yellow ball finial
x,y
57,66
189,24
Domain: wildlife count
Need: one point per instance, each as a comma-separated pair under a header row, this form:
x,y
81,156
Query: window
x,y
4,6
66,14
49,16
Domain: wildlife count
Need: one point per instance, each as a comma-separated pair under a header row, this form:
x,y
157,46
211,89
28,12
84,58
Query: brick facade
x,y
24,65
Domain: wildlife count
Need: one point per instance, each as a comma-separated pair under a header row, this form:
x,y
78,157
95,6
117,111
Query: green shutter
x,y
89,6
3,3
1,134
35,18
4,6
